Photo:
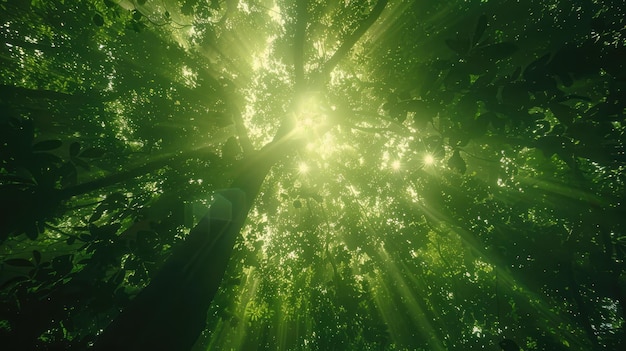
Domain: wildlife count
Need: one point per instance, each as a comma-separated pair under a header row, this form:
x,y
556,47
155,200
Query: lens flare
x,y
395,165
429,159
303,168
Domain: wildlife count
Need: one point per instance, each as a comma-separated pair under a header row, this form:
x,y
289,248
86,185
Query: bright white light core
x,y
429,160
303,168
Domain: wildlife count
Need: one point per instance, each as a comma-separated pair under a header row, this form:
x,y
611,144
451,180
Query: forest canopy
x,y
313,175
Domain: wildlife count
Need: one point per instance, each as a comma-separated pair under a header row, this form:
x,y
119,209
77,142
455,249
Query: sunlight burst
x,y
395,165
429,159
303,168
308,109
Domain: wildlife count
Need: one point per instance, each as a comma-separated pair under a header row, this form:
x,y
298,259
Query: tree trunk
x,y
170,313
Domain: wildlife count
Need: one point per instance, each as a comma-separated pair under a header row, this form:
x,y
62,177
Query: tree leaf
x,y
37,256
98,20
92,152
136,26
84,165
537,69
74,149
460,46
68,174
31,231
63,264
116,199
98,212
104,232
14,280
19,262
457,79
498,51
516,74
551,145
563,113
47,145
481,26
457,163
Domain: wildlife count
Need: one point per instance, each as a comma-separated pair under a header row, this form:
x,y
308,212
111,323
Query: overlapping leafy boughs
x,y
453,182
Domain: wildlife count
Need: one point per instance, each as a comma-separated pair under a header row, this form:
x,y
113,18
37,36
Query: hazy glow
x,y
323,147
429,159
303,168
308,111
395,165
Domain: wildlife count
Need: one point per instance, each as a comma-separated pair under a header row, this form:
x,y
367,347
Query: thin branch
x,y
241,131
298,43
353,38
169,160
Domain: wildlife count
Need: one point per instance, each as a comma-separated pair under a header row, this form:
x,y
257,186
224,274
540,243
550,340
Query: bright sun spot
x,y
429,160
307,121
395,165
303,168
309,114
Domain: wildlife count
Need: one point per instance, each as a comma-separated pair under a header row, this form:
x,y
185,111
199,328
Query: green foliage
x,y
454,182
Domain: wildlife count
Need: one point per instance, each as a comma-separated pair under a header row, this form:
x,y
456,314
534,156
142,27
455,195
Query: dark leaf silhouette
x,y
537,69
98,20
516,74
37,257
74,149
32,231
136,25
457,78
98,212
47,145
137,15
457,163
62,264
68,174
551,145
497,51
19,262
84,165
508,345
459,45
481,26
565,114
93,152
12,281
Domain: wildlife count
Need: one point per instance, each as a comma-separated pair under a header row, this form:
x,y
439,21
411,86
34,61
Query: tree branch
x,y
353,38
241,131
298,44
